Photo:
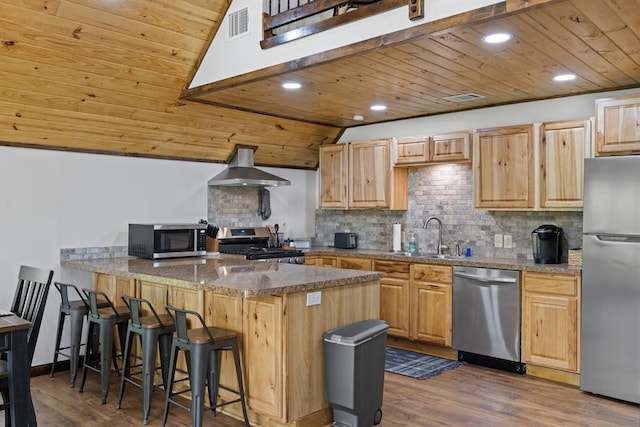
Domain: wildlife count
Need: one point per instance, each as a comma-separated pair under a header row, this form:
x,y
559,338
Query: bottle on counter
x,y
467,251
413,243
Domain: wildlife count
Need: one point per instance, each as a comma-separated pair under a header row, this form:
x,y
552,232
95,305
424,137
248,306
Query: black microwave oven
x,y
158,241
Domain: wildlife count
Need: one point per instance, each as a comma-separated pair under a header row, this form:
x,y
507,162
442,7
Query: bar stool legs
x,y
154,331
102,323
202,346
76,320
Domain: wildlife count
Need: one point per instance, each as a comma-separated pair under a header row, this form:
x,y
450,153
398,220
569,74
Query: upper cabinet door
x,y
618,126
563,148
412,150
503,167
452,147
370,168
333,176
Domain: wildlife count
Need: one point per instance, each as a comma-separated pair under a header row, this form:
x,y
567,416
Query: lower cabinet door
x,y
394,306
431,313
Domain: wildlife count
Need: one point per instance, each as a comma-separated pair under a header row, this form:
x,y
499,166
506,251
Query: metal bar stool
x,y
102,322
203,346
154,330
77,310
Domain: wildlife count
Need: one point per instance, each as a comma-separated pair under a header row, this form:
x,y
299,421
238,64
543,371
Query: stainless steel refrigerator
x,y
610,329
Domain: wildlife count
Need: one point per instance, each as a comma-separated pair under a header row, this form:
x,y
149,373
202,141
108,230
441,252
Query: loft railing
x,y
287,20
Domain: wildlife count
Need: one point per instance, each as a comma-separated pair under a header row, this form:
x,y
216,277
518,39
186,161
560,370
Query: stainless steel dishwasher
x,y
486,317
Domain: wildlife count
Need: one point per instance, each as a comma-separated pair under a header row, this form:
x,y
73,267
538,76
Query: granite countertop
x,y
474,261
228,275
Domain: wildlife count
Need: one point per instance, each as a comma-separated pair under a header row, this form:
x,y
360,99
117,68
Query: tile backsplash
x,y
445,191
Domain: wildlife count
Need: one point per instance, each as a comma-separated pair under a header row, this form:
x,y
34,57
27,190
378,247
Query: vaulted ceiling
x,y
110,76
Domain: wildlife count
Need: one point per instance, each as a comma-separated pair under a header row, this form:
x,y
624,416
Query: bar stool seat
x,y
100,336
202,347
153,330
77,310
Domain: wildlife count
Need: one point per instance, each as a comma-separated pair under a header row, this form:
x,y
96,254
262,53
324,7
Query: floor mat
x,y
416,365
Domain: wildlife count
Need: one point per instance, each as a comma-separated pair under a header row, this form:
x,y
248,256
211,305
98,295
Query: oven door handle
x,y
485,279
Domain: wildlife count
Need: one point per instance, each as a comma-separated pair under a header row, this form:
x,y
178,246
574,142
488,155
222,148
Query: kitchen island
x,y
266,303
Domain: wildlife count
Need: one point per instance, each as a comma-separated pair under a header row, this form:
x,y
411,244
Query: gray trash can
x,y
354,372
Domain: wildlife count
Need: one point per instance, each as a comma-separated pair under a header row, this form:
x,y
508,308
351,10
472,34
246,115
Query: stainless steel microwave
x,y
157,241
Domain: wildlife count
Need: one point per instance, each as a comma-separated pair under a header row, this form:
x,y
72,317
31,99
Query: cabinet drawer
x,y
355,263
553,284
433,273
399,270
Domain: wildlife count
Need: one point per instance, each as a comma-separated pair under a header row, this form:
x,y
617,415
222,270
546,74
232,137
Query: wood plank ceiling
x,y
106,76
109,76
415,70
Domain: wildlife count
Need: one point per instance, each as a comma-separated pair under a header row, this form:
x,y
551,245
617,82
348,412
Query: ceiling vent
x,y
238,23
464,97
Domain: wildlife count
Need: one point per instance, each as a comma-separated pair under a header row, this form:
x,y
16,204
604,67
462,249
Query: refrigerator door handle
x,y
618,238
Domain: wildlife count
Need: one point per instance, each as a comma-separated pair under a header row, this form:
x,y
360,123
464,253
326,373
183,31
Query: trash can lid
x,y
357,332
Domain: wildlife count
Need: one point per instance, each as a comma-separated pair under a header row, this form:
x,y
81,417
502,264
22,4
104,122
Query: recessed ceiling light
x,y
291,85
564,77
358,117
378,107
497,38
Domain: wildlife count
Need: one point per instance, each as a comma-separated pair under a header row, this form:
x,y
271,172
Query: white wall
x,y
227,58
53,199
568,108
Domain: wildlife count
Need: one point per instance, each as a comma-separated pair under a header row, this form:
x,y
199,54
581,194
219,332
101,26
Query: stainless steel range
x,y
256,243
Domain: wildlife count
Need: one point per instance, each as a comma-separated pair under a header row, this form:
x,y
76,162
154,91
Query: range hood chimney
x,y
241,173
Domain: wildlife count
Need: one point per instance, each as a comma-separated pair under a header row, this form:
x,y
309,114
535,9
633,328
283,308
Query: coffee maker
x,y
547,244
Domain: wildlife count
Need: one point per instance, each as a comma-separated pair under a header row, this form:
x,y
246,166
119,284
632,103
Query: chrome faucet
x,y
441,247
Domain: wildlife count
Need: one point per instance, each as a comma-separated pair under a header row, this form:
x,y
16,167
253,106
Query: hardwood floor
x,y
468,396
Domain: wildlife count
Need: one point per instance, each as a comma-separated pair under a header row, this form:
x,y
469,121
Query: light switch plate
x,y
498,241
314,298
507,243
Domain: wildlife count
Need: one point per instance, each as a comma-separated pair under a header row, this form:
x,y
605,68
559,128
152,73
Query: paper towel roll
x,y
397,237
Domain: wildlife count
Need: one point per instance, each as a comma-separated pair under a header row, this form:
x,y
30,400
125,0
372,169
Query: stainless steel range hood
x,y
241,172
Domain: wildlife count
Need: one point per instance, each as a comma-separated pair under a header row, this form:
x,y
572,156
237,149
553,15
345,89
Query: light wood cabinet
x,y
562,150
507,173
368,176
321,261
503,172
394,296
412,150
334,165
365,264
114,286
551,320
452,147
431,303
426,150
618,126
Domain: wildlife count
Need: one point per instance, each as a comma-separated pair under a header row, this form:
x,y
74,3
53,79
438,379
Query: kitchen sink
x,y
428,255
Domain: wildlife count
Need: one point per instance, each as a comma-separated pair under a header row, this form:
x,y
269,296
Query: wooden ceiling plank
x,y
63,27
108,21
615,21
579,24
169,15
462,78
566,49
17,72
73,62
50,7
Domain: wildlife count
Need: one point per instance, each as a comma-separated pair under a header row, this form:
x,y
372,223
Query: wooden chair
x,y
28,303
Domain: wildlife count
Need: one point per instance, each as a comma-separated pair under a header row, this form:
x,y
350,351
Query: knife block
x,y
212,244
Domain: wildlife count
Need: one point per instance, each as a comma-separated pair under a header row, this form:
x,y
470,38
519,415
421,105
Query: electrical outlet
x,y
314,298
507,243
498,240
